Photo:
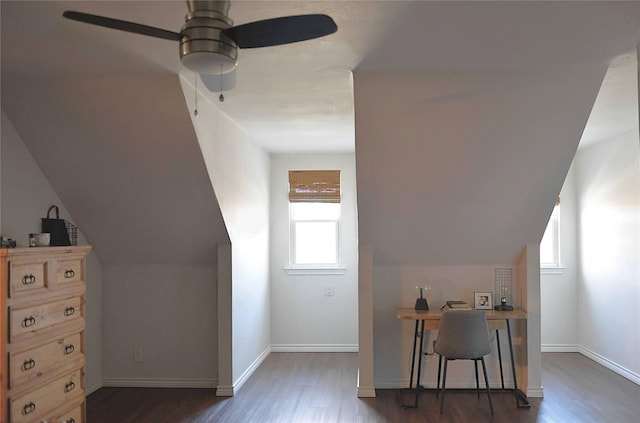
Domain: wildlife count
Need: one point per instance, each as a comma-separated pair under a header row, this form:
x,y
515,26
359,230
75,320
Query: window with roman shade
x,y
314,186
314,216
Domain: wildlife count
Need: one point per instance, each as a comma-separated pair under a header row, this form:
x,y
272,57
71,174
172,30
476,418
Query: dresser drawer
x,y
25,366
74,415
27,277
36,318
36,405
69,271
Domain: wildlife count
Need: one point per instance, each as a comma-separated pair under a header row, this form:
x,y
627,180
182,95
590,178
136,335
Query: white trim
x,y
537,392
224,391
366,392
91,388
622,371
320,348
315,270
159,383
252,368
559,348
552,270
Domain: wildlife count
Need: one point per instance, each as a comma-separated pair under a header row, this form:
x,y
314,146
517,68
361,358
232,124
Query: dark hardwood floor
x,y
321,388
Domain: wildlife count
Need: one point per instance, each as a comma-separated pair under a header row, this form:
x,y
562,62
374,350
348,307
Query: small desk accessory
x,y
421,303
504,289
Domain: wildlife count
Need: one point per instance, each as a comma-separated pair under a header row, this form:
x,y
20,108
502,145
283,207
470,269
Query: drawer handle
x,y
69,387
28,322
28,365
68,349
28,408
69,273
71,420
28,279
69,311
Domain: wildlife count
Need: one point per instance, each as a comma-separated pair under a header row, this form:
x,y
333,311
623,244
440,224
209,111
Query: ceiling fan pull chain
x,y
195,93
221,98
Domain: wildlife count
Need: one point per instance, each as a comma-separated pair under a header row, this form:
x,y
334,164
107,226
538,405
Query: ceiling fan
x,y
208,40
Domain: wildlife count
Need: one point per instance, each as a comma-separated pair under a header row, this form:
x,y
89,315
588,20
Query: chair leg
x,y
444,384
475,364
439,369
486,382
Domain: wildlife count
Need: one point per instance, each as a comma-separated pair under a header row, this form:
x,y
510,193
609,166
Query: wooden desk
x,y
430,320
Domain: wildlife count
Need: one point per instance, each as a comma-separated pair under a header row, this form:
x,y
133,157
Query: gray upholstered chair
x,y
463,335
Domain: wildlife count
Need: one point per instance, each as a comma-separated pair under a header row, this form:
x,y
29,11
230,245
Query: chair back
x,y
463,334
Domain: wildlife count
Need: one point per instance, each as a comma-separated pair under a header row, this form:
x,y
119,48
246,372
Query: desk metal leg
x,y
413,354
519,395
419,361
416,335
500,357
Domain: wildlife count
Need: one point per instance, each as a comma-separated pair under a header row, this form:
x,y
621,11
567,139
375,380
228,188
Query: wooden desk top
x,y
411,314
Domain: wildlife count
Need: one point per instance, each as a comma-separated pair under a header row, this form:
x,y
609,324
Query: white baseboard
x,y
622,371
159,383
252,368
366,392
559,348
320,348
224,391
92,387
535,392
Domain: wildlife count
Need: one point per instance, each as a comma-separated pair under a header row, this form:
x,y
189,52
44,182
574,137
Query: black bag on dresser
x,y
57,228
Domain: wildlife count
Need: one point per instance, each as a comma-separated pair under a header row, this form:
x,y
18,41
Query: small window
x,y
315,234
550,244
314,216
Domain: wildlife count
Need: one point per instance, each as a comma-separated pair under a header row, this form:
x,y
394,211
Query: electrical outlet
x,y
328,291
138,354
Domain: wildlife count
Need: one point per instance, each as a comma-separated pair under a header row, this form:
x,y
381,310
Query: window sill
x,y
552,270
315,270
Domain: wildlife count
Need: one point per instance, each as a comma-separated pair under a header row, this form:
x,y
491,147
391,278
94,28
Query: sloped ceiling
x,y
122,155
464,169
110,104
103,114
113,136
459,160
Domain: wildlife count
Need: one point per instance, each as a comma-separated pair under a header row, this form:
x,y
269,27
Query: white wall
x,y
482,189
608,181
298,302
26,196
170,312
559,291
239,172
593,304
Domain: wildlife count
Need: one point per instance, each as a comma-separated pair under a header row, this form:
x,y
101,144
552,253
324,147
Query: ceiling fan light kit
x,y
204,48
208,40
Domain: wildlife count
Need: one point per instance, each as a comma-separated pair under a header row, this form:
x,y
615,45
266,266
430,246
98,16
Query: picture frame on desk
x,y
483,300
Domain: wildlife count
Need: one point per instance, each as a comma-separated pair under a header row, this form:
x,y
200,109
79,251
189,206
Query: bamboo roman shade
x,y
314,186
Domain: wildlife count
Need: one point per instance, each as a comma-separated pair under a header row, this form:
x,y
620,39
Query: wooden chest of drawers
x,y
42,353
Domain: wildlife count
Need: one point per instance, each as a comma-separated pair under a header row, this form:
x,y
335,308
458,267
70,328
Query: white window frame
x,y
553,230
313,268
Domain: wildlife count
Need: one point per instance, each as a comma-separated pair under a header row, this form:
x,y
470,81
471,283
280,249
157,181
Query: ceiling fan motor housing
x,y
203,47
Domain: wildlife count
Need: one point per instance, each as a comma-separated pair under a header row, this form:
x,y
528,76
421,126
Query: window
x,y
314,216
314,233
550,244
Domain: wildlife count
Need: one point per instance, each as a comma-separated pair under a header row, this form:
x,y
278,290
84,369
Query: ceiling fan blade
x,y
284,30
122,25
